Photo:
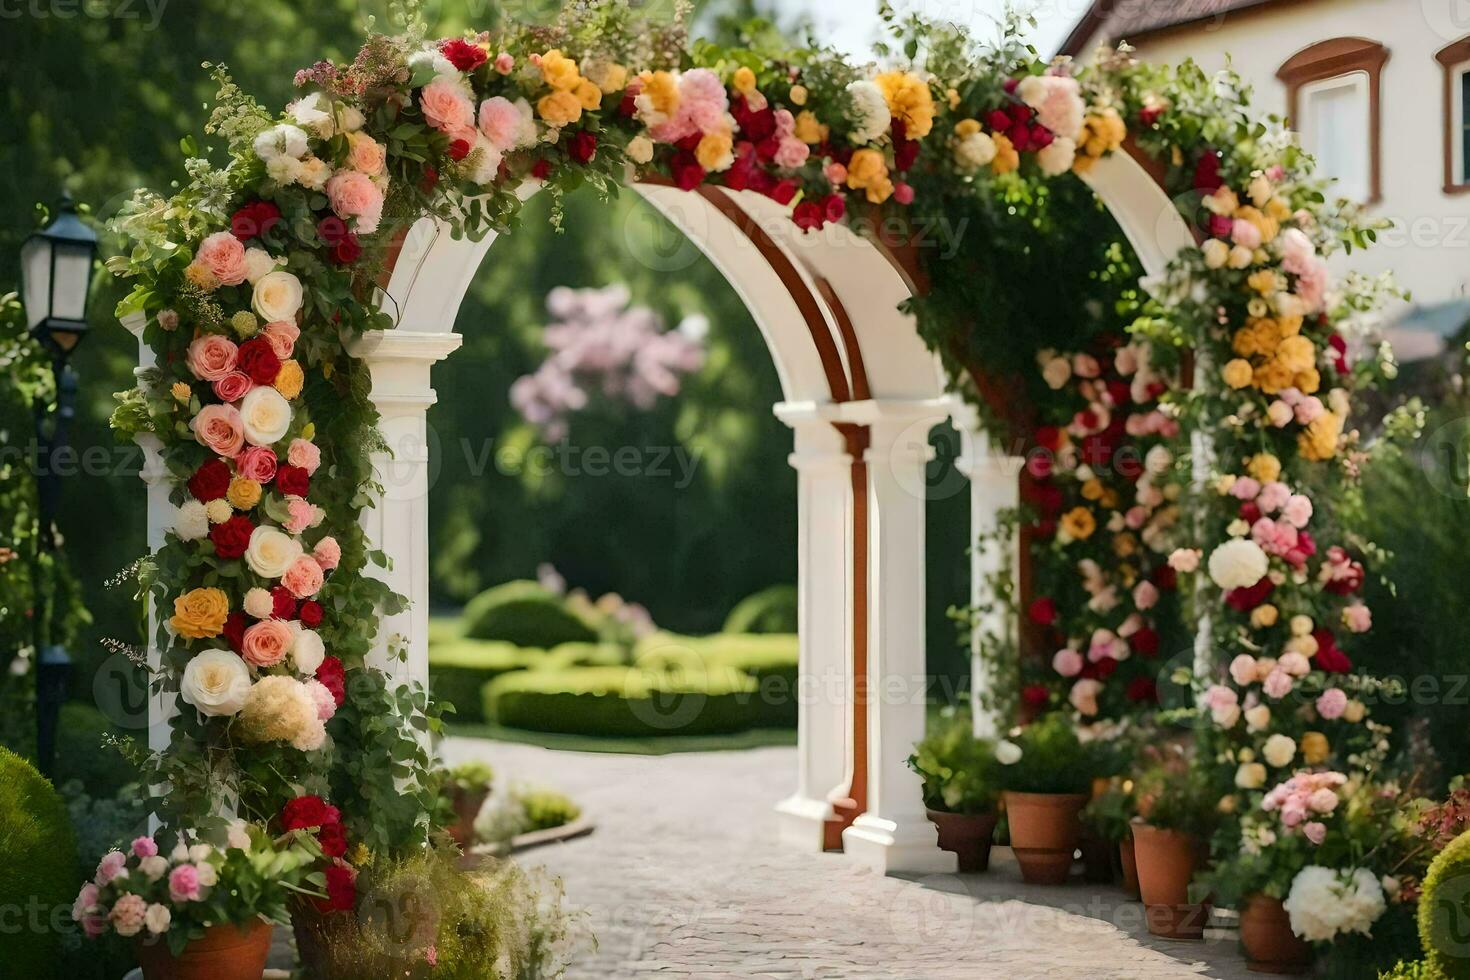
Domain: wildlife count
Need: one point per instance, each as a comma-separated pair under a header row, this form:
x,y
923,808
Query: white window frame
x,y
1456,135
1359,81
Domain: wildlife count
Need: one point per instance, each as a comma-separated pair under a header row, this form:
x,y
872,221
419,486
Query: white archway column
x,y
894,833
398,522
994,487
824,620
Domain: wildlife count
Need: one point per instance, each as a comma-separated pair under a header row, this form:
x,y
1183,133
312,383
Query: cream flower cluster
x,y
1325,903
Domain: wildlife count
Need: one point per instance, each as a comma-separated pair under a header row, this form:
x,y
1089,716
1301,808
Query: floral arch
x,y
290,306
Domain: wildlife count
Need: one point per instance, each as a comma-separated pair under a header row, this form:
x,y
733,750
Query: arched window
x,y
1332,97
1455,60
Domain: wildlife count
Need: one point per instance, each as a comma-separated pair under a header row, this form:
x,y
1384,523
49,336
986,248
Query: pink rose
x,y
447,108
1243,669
1308,409
1245,488
366,154
1184,560
257,463
501,122
1357,618
504,62
328,553
1083,696
354,195
233,386
282,336
1295,664
305,454
1293,813
224,256
86,899
1297,510
792,153
1145,595
1245,233
1273,497
144,847
220,429
111,865
326,703
266,643
299,515
836,173
304,578
1316,832
212,356
1332,703
1322,800
1067,662
1277,685
183,883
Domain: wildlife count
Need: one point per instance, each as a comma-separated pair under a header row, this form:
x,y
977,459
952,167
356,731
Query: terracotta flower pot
x,y
222,953
466,805
1044,833
1167,861
1270,945
1130,866
968,835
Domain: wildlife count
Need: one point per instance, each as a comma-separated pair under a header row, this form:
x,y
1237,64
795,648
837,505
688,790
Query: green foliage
x,y
472,777
960,771
525,614
1444,909
460,669
769,659
37,864
1412,970
1179,797
546,808
1052,759
1110,813
771,610
82,753
622,701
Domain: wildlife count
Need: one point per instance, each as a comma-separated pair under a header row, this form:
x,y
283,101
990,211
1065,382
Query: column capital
x,y
411,346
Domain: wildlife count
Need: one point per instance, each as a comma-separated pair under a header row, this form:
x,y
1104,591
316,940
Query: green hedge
x,y
1443,931
460,669
622,701
770,659
771,610
37,866
526,614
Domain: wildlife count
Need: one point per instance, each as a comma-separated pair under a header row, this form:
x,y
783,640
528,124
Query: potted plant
x,y
466,787
1176,813
1108,818
200,912
1046,773
961,787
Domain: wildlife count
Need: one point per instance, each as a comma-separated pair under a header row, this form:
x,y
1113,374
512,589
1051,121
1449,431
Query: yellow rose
x,y
1078,523
1264,467
1244,342
1297,354
609,76
1262,281
589,95
660,91
559,108
1273,377
1092,489
1237,373
1315,748
289,379
1319,442
909,100
808,130
714,152
200,613
966,127
1006,156
867,167
1290,326
243,494
744,80
559,71
1264,617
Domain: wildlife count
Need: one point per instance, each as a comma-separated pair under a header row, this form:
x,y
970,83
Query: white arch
x,y
1147,215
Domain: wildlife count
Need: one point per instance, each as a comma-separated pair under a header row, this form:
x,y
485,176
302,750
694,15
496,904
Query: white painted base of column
x,y
802,822
889,847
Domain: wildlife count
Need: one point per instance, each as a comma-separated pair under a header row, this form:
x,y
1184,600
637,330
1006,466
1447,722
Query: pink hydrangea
x,y
299,514
1274,537
326,703
127,914
113,863
501,122
144,847
1331,703
303,579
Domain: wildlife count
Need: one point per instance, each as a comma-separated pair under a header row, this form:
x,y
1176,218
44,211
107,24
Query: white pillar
x,y
398,522
824,621
894,833
994,487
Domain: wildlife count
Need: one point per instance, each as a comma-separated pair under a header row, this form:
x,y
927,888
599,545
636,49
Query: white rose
x,y
277,296
284,170
1234,565
1158,460
640,149
157,919
259,262
870,115
266,416
1258,718
154,867
1057,156
1241,257
1057,372
1007,753
1250,775
199,853
258,603
192,521
237,835
1301,625
308,651
283,140
310,113
975,151
215,682
208,875
1279,750
271,551
314,173
349,118
1217,253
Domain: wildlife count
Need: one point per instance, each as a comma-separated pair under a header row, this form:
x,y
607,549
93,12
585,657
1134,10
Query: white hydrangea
x,y
192,521
1007,753
974,151
484,161
284,140
870,115
1238,564
1324,903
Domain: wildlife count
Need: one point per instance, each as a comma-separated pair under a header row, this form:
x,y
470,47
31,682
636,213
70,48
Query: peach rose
x,y
211,357
354,195
223,255
366,154
266,642
500,121
447,108
299,515
305,454
219,428
304,578
233,386
257,463
328,553
282,336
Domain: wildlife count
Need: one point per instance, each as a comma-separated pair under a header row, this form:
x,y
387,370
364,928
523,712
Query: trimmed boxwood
x,y
770,659
37,866
771,610
1443,930
526,614
459,670
622,701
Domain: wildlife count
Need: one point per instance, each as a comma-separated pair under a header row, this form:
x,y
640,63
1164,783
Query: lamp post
x,y
56,276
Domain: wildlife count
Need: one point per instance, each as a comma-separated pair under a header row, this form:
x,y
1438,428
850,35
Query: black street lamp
x,y
56,278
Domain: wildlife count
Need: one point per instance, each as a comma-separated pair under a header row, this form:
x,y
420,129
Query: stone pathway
x,y
680,880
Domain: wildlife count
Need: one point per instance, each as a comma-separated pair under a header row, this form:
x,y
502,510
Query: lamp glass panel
x,y
73,278
35,264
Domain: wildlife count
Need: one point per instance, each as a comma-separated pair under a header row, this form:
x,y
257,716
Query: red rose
x,y
232,537
1246,599
341,889
459,149
430,179
463,55
1040,137
283,603
1149,115
310,613
333,840
686,171
254,220
784,191
999,120
1166,578
808,216
257,358
210,481
293,480
1035,695
1043,611
1207,177
331,675
1101,670
308,811
1339,353
541,169
582,147
1145,642
834,207
234,630
1020,113
1249,512
1143,689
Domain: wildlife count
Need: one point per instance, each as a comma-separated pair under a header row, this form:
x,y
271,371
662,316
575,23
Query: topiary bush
x,y
37,866
458,671
1444,910
546,808
771,660
771,610
526,614
622,701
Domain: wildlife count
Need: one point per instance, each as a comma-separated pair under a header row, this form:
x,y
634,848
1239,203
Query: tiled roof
x,y
1123,20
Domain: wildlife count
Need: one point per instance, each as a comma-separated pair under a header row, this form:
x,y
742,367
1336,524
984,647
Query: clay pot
x,y
1167,861
1130,866
222,953
1270,945
968,835
1044,833
466,805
